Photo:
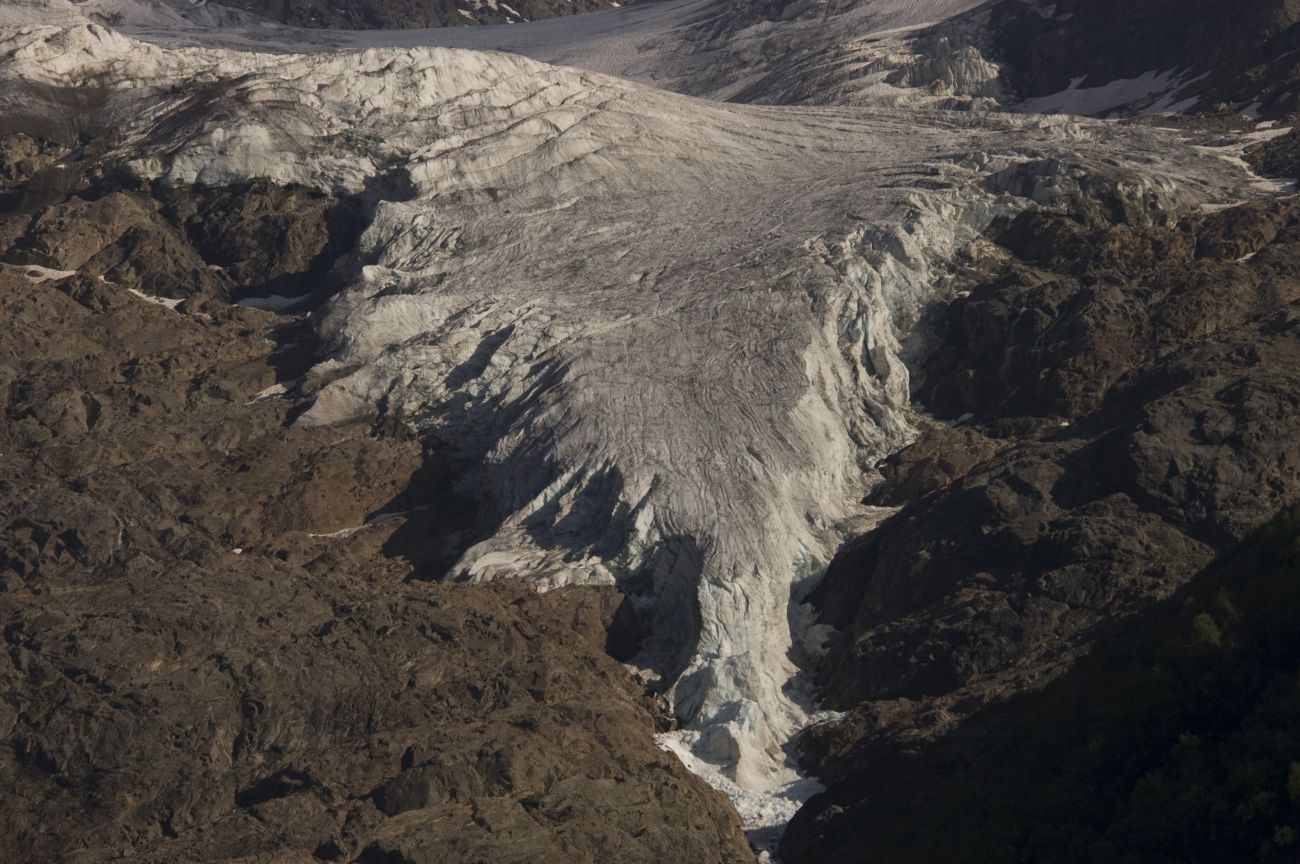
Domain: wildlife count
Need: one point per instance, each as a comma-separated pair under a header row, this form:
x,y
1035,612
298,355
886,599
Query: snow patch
x,y
1233,151
166,302
275,391
1149,93
38,274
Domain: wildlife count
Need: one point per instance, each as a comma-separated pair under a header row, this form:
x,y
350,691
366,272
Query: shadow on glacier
x,y
449,501
466,492
657,624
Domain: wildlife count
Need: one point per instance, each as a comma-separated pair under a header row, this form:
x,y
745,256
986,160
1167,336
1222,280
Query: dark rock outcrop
x,y
224,638
398,14
1131,401
1234,55
230,243
1279,157
21,156
1173,741
267,239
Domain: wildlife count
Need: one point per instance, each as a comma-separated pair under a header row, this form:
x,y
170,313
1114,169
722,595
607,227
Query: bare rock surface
x,y
268,16
1163,55
1131,399
1279,157
221,641
397,14
21,156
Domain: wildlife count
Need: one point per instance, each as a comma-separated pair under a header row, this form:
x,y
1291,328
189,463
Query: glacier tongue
x,y
671,347
663,334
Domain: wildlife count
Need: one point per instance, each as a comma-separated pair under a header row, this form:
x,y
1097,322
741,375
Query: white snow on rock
x,y
1149,93
665,335
820,53
38,274
165,302
1233,151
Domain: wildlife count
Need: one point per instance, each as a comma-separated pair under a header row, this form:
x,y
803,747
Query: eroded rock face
x,y
1131,395
21,156
120,238
1204,54
1171,739
268,239
393,14
221,641
1279,157
229,243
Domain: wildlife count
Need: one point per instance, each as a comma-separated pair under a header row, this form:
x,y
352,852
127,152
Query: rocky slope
x,y
1278,157
392,14
1190,56
272,16
220,637
1126,404
1174,741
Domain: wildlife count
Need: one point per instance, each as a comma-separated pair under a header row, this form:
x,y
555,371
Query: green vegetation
x,y
1177,740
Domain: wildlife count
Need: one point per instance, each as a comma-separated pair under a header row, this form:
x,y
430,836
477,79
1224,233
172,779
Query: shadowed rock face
x,y
1240,54
220,637
1172,741
21,156
253,240
1279,157
1132,406
393,14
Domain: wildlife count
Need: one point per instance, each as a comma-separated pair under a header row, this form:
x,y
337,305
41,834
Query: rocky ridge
x,y
1172,740
388,14
221,637
1172,56
1125,401
309,15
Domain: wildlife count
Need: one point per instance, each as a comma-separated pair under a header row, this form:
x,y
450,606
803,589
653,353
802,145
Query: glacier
x,y
665,336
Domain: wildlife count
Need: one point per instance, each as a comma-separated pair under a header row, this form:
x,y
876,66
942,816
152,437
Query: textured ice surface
x,y
664,334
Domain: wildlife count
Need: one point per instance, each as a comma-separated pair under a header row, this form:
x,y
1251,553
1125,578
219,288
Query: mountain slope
x,y
666,344
1174,740
1199,55
396,14
270,16
1125,398
221,636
